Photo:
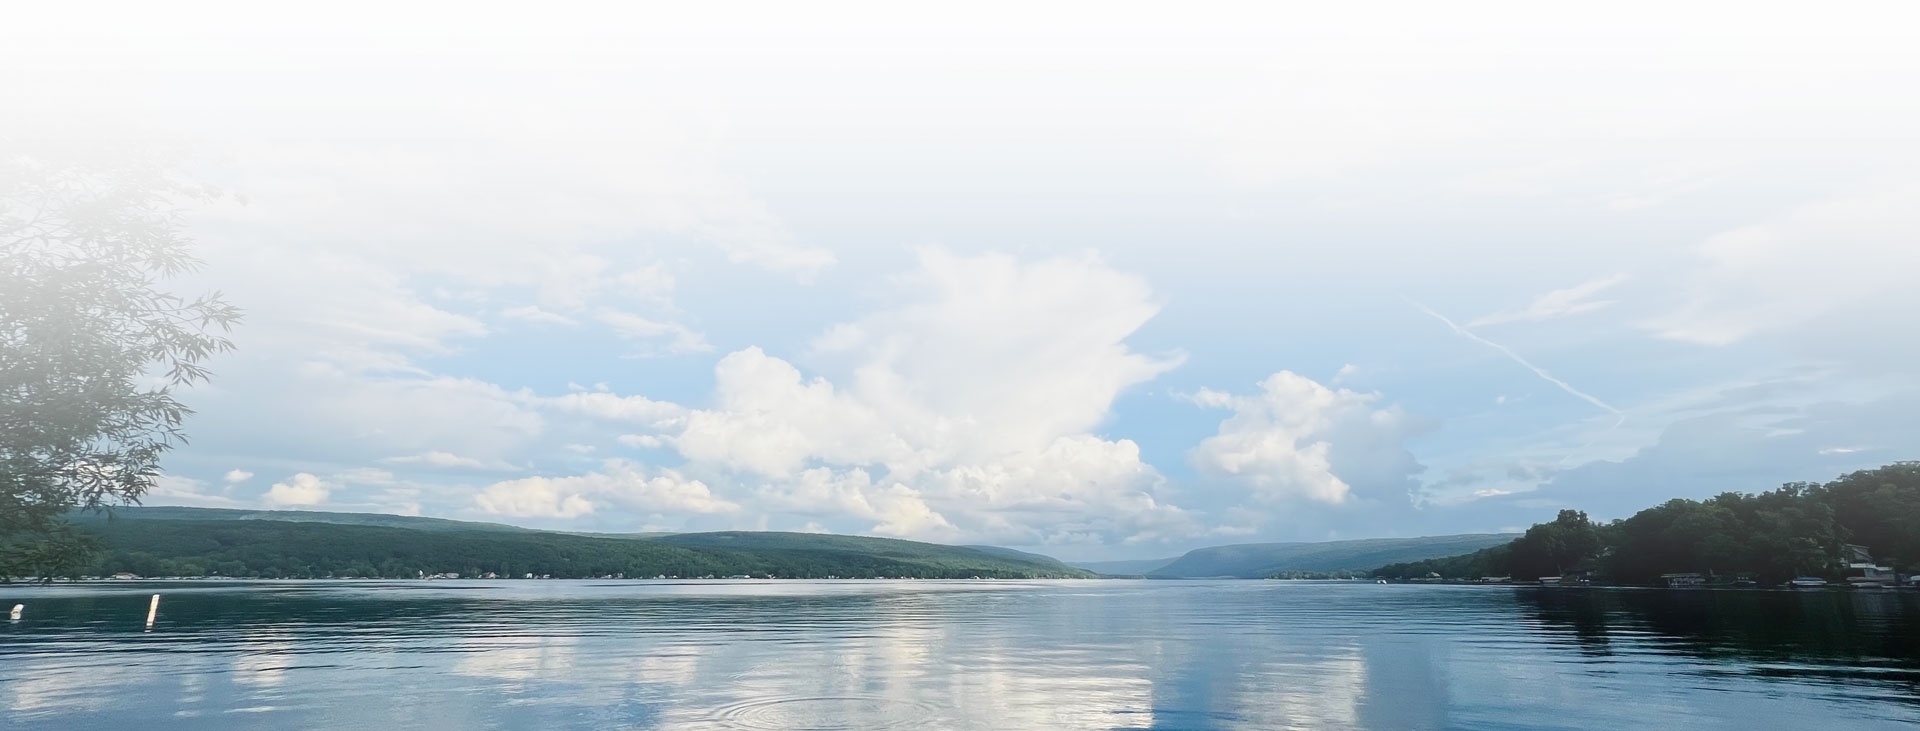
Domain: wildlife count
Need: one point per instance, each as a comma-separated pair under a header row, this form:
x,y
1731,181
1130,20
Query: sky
x,y
1098,280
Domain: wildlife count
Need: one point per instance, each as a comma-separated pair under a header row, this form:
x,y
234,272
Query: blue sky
x,y
1097,281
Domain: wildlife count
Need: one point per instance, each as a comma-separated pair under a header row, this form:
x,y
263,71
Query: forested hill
x,y
1262,560
1035,557
1126,567
167,512
1800,529
182,542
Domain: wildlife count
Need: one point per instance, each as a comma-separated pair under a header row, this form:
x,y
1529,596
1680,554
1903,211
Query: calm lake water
x,y
952,655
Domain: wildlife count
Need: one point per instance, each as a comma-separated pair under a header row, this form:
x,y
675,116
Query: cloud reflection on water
x,y
1073,655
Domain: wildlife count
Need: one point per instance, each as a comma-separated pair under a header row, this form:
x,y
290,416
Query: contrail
x,y
1537,370
1568,457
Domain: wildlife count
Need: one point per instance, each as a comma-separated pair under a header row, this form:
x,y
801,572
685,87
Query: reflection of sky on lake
x,y
974,655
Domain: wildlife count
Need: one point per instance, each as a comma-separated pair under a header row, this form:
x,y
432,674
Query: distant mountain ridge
x,y
1039,558
821,551
169,512
1261,560
175,541
1137,567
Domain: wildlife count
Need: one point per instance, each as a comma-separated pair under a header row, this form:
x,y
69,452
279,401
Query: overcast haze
x,y
1097,281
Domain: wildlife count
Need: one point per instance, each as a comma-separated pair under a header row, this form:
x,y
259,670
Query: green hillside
x,y
1260,560
1034,557
174,541
295,516
837,549
187,542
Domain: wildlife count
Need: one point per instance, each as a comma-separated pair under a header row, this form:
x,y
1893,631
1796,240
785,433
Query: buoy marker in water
x,y
17,609
153,608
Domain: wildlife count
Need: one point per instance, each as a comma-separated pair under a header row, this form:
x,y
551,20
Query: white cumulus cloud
x,y
1285,441
302,489
966,409
895,509
534,497
619,482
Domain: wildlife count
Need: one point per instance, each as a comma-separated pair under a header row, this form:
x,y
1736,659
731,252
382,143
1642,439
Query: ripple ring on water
x,y
827,713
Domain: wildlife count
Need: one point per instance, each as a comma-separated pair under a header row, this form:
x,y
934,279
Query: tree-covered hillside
x,y
1133,567
169,512
263,548
1263,560
1773,536
830,549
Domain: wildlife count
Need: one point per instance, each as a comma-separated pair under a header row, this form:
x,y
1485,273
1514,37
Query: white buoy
x,y
153,608
17,609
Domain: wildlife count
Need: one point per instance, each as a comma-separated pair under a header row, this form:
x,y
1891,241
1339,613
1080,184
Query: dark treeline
x,y
1796,530
282,549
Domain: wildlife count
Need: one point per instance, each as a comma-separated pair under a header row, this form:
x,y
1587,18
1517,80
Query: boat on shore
x,y
1863,572
1808,582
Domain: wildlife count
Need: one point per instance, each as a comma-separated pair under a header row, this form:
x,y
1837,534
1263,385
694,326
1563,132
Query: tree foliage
x,y
92,346
1552,549
1775,535
1795,530
1881,509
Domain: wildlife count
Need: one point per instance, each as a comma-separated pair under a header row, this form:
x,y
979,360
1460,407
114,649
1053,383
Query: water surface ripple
x,y
795,655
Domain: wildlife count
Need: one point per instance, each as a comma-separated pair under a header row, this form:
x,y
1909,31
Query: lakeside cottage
x,y
1862,571
1681,580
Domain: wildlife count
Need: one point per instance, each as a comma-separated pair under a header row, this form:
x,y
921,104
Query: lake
x,y
796,655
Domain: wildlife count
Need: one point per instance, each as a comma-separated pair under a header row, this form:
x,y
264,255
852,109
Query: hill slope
x,y
295,516
1260,560
193,542
1024,555
828,547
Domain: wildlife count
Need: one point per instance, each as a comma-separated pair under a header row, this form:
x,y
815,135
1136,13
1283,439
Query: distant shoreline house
x,y
1862,571
1582,574
1681,580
